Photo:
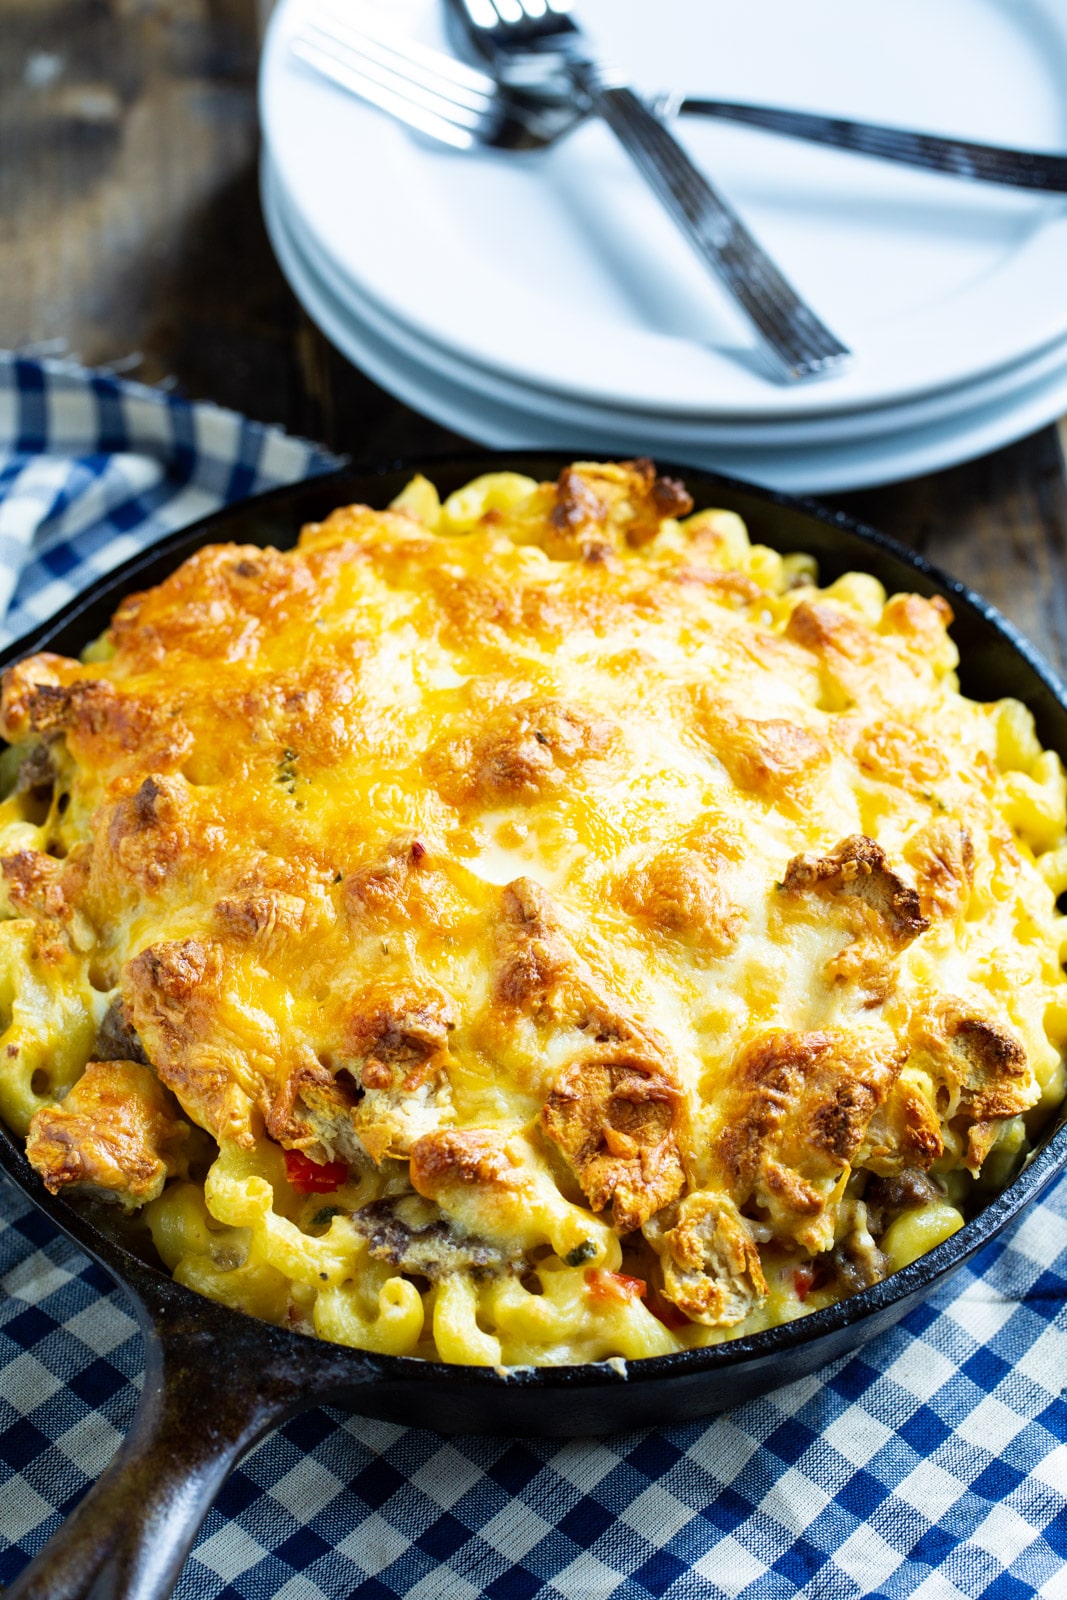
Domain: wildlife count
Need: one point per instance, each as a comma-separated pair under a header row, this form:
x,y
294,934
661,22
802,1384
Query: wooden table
x,y
132,236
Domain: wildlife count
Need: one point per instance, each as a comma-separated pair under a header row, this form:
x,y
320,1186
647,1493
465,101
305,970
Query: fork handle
x,y
935,152
804,347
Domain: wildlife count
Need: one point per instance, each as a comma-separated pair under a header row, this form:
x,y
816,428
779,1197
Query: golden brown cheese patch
x,y
855,666
879,911
921,621
711,1266
404,886
36,885
617,1120
225,601
795,1120
466,1158
383,890
544,994
604,507
524,752
857,877
150,831
23,693
536,967
979,1070
265,918
396,1051
102,724
941,855
769,755
904,1132
49,893
897,753
116,1134
681,892
174,994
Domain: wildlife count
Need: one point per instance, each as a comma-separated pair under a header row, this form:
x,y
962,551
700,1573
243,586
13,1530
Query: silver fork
x,y
534,44
430,91
453,103
475,109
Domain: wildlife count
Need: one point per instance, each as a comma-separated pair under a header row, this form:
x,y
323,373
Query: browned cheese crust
x,y
564,869
116,1135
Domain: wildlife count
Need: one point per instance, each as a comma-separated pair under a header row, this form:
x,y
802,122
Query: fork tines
x,y
443,98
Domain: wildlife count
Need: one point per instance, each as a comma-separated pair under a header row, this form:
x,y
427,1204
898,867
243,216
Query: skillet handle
x,y
215,1381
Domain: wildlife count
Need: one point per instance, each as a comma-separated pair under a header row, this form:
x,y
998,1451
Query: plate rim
x,y
805,432
501,428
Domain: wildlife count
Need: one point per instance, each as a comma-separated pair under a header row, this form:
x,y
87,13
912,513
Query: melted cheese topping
x,y
635,944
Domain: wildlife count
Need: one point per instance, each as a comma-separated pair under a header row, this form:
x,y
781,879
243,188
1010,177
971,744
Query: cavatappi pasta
x,y
543,927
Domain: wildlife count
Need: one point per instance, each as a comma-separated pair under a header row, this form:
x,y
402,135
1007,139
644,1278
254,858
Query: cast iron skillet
x,y
216,1379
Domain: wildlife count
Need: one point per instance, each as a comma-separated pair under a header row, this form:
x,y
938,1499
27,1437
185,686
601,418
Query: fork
x,y
478,110
431,92
467,109
534,45
449,101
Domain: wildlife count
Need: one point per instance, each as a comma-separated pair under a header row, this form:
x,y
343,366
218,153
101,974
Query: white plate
x,y
656,426
813,470
559,270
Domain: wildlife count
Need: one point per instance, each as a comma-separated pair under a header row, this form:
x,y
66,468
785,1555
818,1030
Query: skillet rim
x,y
892,1297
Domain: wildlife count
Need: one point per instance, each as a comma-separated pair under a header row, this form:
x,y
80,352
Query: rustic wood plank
x,y
133,230
118,123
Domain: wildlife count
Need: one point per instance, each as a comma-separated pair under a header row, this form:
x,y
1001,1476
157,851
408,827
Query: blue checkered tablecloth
x,y
92,469
933,1464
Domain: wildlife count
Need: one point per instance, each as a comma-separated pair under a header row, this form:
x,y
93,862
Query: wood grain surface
x,y
131,236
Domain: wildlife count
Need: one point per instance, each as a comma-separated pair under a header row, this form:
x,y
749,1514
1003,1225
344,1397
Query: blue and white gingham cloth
x,y
932,1464
93,469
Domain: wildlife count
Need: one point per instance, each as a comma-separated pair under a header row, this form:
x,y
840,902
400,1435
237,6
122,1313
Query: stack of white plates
x,y
543,299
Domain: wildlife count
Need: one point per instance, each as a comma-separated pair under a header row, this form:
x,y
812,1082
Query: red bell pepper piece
x,y
605,1285
313,1177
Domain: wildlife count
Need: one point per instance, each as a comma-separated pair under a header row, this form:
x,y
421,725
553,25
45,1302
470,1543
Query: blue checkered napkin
x,y
92,469
933,1464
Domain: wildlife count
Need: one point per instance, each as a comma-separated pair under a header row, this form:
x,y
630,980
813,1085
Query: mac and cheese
x,y
538,928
